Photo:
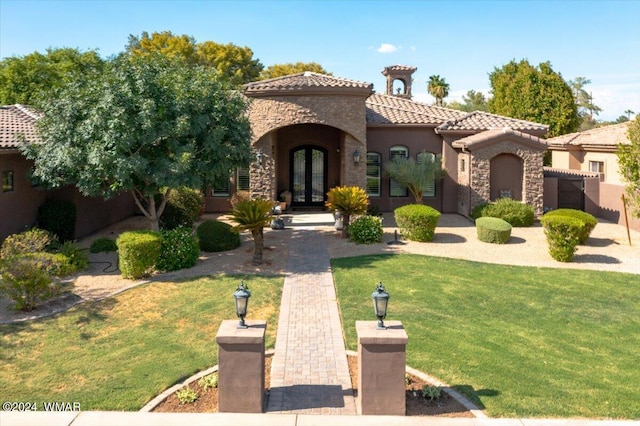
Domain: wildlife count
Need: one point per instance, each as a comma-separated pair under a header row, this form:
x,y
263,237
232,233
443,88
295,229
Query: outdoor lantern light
x,y
356,156
380,300
242,295
259,156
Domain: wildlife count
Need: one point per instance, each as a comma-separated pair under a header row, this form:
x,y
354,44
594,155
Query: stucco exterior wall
x,y
612,209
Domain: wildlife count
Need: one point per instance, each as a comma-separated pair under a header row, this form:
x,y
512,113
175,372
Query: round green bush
x,y
514,212
103,244
138,253
24,280
366,230
493,230
179,250
217,236
31,241
59,218
77,258
563,234
183,208
417,222
589,221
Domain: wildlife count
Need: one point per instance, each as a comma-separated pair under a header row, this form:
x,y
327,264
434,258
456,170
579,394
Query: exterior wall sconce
x,y
241,296
356,156
260,156
380,301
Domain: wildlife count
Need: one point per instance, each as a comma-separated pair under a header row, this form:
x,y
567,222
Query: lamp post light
x,y
241,296
380,301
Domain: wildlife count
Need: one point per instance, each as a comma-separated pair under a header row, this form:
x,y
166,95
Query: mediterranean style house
x,y
584,173
312,132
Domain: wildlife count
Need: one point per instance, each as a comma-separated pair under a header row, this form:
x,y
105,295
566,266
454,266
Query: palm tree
x,y
629,113
438,88
415,175
253,215
349,201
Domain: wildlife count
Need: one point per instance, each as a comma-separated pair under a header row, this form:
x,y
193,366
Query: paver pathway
x,y
309,370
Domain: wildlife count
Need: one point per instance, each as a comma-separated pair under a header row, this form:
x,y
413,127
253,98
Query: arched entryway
x,y
308,177
506,177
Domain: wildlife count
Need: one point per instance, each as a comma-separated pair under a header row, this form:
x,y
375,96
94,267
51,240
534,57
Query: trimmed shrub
x,y
25,280
589,221
514,212
493,230
366,230
373,210
563,234
183,208
217,236
31,241
179,250
103,245
77,257
59,218
417,222
138,253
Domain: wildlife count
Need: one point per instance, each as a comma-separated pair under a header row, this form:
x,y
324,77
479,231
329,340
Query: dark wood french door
x,y
308,166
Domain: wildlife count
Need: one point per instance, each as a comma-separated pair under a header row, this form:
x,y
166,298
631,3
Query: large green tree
x,y
233,63
537,94
280,70
146,125
438,88
629,162
23,79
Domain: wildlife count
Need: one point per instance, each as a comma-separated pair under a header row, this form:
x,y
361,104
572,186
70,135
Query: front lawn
x,y
520,341
119,353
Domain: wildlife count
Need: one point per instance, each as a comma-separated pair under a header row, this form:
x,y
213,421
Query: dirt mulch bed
x,y
207,402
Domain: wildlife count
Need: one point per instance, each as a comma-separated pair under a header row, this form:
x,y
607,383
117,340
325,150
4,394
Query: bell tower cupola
x,y
399,79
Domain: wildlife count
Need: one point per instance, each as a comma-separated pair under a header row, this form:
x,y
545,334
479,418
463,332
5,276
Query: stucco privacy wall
x,y
347,113
478,189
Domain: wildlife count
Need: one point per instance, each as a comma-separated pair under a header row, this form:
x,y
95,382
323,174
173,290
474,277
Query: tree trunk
x,y
258,246
345,225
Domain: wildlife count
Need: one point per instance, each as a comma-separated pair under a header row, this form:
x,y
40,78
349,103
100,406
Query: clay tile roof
x,y
480,120
482,138
607,136
17,122
386,109
398,68
306,82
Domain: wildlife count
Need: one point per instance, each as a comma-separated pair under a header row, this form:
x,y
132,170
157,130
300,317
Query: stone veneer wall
x,y
480,177
347,113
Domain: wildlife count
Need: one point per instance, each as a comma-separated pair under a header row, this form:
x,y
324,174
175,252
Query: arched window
x,y
373,174
396,189
430,189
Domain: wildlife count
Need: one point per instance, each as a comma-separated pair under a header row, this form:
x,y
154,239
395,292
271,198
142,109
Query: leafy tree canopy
x,y
537,94
146,125
280,70
472,101
25,78
629,162
233,63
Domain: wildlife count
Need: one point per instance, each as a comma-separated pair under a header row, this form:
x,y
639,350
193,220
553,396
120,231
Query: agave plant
x,y
348,200
253,215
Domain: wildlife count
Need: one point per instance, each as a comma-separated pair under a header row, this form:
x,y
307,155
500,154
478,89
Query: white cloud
x,y
386,48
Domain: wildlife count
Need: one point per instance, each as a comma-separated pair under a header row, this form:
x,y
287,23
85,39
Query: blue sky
x,y
462,41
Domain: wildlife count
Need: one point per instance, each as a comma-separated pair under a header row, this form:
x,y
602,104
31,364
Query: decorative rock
x,y
277,224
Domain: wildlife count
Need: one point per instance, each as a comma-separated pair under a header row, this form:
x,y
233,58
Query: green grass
x,y
119,353
520,341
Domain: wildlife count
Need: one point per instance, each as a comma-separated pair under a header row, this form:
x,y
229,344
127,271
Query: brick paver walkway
x,y
309,371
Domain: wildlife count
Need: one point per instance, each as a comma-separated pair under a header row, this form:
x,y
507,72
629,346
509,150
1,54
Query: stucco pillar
x,y
381,368
241,367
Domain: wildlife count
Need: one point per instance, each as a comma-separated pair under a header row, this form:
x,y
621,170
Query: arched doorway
x,y
308,177
506,177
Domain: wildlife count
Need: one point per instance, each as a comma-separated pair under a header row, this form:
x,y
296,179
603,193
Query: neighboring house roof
x,y
306,83
598,138
480,120
489,137
386,109
17,124
563,173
